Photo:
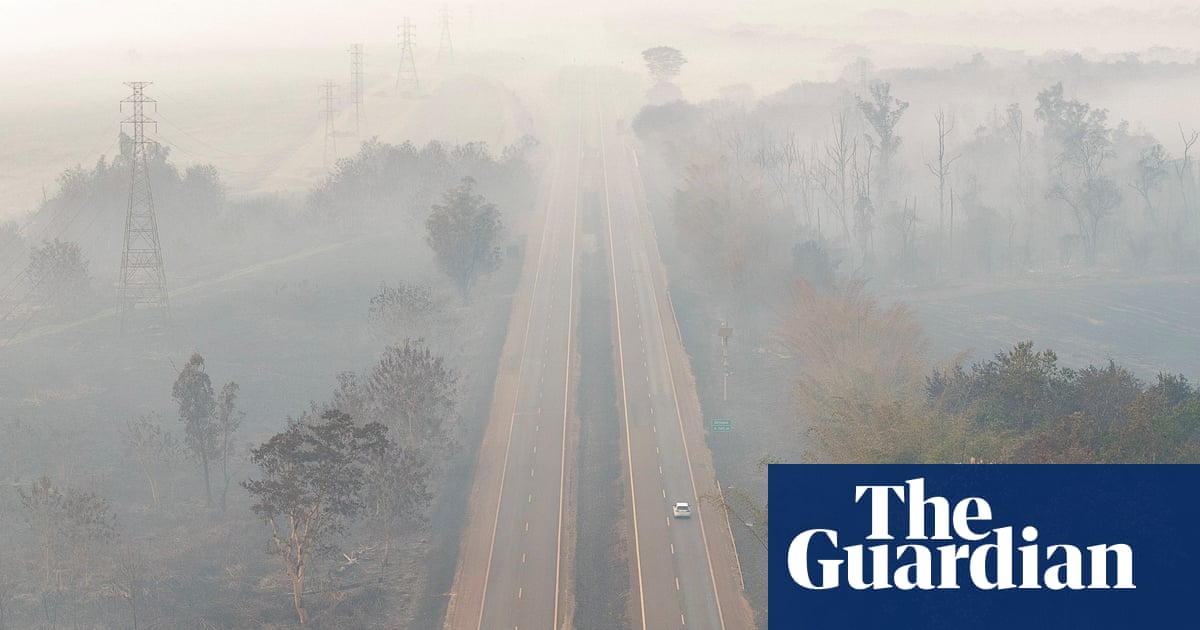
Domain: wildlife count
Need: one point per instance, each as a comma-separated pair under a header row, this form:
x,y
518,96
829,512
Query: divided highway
x,y
514,567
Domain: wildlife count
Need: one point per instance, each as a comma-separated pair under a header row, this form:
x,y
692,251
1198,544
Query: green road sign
x,y
721,426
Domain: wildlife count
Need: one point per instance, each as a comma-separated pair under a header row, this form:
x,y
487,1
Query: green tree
x,y
663,62
1078,178
464,231
312,485
413,393
194,394
58,271
1148,177
883,112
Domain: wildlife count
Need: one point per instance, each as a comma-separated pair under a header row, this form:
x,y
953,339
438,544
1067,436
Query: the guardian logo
x,y
972,550
994,547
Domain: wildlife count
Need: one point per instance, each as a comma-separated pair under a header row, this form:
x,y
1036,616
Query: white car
x,y
682,510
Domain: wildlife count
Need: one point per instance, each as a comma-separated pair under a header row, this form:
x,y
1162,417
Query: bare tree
x,y
71,525
228,419
1183,171
154,449
1014,124
840,155
941,171
130,578
408,310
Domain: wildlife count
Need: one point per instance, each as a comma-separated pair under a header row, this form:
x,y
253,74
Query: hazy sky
x,y
59,25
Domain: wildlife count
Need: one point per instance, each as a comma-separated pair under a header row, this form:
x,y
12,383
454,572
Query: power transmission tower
x,y
356,81
330,103
143,280
445,47
406,77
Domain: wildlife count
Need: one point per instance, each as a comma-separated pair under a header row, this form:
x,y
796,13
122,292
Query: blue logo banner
x,y
984,546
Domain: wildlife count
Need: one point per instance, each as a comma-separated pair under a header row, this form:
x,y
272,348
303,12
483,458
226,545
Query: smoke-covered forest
x,y
167,512
884,245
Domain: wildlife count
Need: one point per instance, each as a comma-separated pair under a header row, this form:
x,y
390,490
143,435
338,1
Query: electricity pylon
x,y
406,77
143,280
329,99
356,82
445,46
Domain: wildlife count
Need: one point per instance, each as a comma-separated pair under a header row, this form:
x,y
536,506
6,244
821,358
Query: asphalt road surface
x,y
513,567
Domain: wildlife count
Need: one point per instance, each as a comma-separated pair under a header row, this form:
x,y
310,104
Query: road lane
x,y
514,579
681,586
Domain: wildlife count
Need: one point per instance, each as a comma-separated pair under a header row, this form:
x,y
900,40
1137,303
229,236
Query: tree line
x,y
843,166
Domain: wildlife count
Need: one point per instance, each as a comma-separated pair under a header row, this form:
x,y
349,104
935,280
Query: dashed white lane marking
x,y
677,584
530,499
672,550
657,450
659,470
522,590
682,621
664,494
530,472
523,554
668,521
535,450
526,525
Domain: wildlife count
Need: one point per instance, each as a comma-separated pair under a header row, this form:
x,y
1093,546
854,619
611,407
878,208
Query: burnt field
x,y
1148,325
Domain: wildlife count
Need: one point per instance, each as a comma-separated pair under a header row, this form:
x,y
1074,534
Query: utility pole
x,y
356,82
330,103
445,46
725,332
406,77
143,280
